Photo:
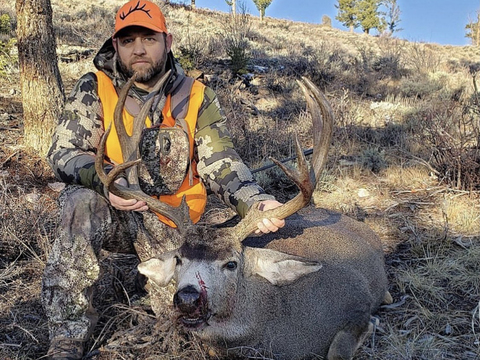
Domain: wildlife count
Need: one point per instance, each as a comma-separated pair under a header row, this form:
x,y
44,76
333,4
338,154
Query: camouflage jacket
x,y
80,128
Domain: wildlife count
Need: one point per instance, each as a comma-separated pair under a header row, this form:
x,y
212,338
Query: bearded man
x,y
198,154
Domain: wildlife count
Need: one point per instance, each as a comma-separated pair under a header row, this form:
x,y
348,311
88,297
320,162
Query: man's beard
x,y
147,74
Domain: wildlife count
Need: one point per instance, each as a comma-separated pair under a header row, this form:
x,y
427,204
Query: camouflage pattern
x,y
87,221
165,152
87,224
219,165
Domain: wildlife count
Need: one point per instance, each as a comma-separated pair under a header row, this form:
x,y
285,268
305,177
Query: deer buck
x,y
306,291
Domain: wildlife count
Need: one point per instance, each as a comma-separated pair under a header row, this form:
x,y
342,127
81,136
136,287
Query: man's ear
x,y
168,42
115,45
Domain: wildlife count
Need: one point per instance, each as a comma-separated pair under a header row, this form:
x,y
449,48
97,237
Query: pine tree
x,y
368,15
347,13
261,6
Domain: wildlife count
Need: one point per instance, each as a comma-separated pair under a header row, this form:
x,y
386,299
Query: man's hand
x,y
269,225
126,205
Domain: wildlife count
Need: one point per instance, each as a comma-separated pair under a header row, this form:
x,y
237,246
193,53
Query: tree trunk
x,y
477,42
193,4
40,81
234,8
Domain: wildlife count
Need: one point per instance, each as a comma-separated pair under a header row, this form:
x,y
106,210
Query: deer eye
x,y
231,265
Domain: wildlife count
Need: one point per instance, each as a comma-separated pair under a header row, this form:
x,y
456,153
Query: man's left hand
x,y
269,225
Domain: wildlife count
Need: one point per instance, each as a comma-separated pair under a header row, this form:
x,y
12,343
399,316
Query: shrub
x,y
373,159
235,36
8,56
450,132
190,54
5,24
422,59
419,86
326,21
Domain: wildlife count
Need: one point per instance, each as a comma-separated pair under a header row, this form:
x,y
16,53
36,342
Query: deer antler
x,y
131,157
322,118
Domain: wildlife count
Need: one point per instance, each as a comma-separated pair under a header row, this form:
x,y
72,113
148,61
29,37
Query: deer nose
x,y
187,299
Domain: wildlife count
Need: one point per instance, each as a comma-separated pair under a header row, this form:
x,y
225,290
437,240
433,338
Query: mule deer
x,y
306,291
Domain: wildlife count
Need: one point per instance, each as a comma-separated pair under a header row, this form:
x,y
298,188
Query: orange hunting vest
x,y
196,194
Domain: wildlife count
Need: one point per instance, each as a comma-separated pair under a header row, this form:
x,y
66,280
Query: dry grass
x,y
381,170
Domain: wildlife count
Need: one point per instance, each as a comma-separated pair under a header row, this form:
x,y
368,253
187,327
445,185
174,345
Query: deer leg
x,y
347,340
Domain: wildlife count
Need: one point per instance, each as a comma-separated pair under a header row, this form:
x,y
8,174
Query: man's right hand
x,y
123,204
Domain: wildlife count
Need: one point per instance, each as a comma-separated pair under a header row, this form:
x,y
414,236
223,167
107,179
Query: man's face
x,y
143,51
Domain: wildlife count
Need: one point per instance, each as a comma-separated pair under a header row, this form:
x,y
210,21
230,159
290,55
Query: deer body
x,y
293,292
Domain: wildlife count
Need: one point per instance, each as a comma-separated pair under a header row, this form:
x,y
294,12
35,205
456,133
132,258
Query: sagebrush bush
x,y
89,26
419,86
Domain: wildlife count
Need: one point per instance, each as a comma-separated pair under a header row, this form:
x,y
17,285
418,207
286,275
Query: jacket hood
x,y
106,61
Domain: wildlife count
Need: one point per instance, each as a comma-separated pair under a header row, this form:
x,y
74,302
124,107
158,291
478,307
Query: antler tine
x,y
129,146
304,178
322,119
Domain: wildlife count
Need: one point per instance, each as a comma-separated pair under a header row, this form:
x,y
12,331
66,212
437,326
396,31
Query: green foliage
x,y
261,6
373,159
368,15
361,13
5,24
189,56
235,37
347,13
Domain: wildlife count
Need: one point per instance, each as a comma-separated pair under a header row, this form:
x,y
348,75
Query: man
x,y
92,218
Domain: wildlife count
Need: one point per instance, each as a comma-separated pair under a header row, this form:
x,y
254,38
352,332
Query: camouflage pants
x,y
88,224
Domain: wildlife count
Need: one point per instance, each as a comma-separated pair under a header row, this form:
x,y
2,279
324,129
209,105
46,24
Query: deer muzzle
x,y
192,307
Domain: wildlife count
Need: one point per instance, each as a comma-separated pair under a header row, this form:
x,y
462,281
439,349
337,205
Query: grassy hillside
x,y
405,159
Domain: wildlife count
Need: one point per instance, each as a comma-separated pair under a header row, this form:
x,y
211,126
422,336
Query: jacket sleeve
x,y
77,135
219,165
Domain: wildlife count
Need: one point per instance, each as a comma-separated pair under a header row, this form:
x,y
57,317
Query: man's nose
x,y
138,47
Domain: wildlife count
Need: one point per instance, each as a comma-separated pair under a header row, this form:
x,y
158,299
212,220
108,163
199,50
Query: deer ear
x,y
160,271
277,267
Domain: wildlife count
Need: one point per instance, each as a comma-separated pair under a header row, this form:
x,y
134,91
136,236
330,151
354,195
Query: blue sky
x,y
437,21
